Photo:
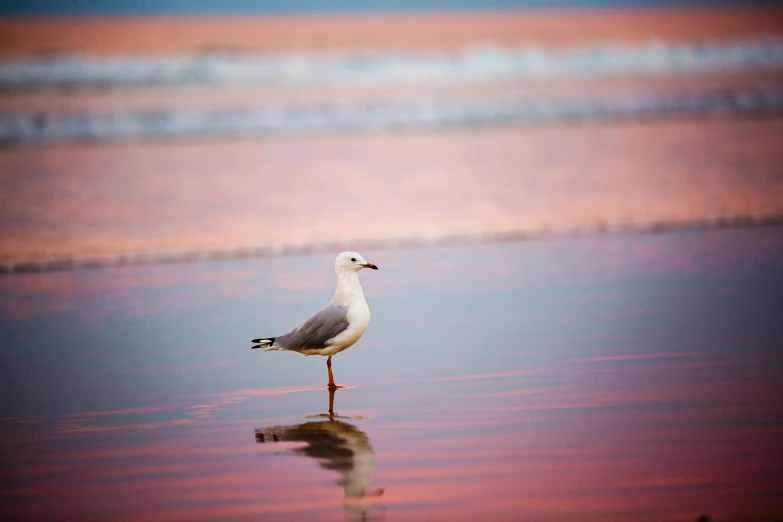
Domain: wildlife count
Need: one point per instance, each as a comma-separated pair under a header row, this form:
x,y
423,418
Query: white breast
x,y
358,321
349,294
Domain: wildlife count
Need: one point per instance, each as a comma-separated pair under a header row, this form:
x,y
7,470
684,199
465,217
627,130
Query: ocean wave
x,y
336,117
489,62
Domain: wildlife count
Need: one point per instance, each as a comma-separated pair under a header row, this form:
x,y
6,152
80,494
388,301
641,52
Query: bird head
x,y
351,261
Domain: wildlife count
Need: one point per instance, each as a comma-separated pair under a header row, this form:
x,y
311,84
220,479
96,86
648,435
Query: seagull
x,y
335,327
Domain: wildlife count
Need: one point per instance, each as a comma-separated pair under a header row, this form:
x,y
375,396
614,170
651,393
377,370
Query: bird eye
x,y
353,259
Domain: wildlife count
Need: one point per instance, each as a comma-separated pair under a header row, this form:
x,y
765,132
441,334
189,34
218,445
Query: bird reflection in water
x,y
336,445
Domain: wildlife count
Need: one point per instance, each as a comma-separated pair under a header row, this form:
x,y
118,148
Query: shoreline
x,y
76,262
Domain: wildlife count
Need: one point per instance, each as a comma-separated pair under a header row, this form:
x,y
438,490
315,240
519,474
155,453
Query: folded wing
x,y
317,332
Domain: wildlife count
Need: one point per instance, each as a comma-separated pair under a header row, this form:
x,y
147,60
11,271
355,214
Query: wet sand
x,y
123,199
185,34
625,377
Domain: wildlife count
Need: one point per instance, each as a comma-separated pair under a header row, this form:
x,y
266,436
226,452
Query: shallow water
x,y
624,377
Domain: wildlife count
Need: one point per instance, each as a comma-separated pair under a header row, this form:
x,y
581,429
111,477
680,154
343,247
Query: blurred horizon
x,y
248,132
158,7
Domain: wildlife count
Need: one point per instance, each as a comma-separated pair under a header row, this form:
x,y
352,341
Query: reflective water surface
x,y
336,445
623,377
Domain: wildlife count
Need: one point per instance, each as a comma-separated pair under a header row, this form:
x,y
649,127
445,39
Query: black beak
x,y
370,265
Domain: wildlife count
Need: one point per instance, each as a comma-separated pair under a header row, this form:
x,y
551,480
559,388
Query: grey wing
x,y
316,332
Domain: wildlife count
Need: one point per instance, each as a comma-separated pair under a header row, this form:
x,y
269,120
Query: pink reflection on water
x,y
628,357
513,266
525,452
548,431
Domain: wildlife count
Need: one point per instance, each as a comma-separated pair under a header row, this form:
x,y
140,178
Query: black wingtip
x,y
265,341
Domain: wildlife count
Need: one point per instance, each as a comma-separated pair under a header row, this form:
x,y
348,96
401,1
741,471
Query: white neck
x,y
348,288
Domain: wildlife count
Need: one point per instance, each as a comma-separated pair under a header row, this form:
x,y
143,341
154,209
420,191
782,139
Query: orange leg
x,y
332,385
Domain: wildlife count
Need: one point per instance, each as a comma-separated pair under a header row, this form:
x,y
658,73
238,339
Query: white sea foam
x,y
337,117
480,64
489,62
